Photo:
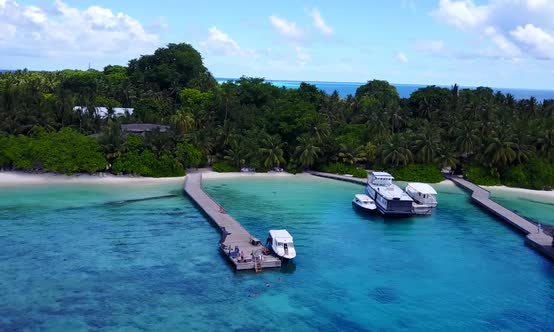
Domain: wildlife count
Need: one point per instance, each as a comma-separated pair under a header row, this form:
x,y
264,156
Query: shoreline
x,y
522,191
13,179
18,178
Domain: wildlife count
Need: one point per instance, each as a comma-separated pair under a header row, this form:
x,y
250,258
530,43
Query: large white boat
x,y
388,197
281,243
424,196
364,202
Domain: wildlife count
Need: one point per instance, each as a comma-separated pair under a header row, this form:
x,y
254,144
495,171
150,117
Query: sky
x,y
497,43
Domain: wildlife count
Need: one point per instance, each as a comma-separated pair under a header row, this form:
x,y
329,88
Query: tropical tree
x,y
272,151
427,143
306,151
237,153
395,152
500,148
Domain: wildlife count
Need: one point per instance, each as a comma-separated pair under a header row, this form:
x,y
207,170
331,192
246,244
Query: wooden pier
x,y
537,240
345,178
232,233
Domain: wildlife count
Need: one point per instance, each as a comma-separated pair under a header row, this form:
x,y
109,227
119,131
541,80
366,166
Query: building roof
x,y
143,127
423,188
280,235
103,111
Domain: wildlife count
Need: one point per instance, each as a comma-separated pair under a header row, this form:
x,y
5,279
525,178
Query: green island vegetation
x,y
489,137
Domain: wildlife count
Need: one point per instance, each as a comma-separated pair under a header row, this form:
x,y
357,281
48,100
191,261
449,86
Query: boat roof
x,y
362,197
391,192
280,235
382,174
423,188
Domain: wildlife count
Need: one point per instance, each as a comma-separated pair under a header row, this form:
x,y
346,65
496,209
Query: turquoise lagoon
x,y
77,257
535,207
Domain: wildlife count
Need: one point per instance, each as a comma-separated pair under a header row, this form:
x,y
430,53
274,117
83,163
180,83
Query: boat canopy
x,y
382,175
363,198
281,235
422,188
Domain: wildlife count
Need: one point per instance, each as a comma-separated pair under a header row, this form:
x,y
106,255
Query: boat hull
x,y
369,209
400,209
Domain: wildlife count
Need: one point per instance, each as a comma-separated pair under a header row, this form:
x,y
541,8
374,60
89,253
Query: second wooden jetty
x,y
233,235
535,238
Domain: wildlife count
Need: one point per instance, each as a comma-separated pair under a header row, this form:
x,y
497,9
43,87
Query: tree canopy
x,y
487,135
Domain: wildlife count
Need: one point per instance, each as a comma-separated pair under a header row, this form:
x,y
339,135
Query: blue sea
x,y
80,257
404,90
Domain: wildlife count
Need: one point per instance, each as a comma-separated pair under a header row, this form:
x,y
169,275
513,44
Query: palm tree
x,y
396,152
272,151
427,144
184,121
467,139
447,157
500,149
545,143
306,151
236,154
350,153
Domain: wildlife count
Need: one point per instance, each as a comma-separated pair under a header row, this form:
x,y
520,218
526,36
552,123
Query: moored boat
x,y
363,202
424,197
281,243
389,199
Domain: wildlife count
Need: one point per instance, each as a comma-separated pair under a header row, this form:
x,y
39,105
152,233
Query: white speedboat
x,y
364,202
389,198
424,196
281,243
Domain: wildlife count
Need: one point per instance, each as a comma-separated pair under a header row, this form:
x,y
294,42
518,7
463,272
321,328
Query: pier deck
x,y
538,240
344,178
232,232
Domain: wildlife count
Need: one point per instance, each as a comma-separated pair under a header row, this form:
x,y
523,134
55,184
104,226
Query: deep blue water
x,y
69,262
404,90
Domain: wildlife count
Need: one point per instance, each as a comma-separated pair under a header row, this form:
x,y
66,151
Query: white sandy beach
x,y
16,179
545,194
12,179
209,175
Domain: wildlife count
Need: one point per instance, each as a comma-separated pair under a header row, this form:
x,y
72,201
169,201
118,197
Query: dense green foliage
x,y
480,175
359,173
65,151
486,135
223,168
418,173
341,168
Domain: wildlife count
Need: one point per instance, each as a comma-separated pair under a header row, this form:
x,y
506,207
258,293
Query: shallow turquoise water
x,y
71,262
534,207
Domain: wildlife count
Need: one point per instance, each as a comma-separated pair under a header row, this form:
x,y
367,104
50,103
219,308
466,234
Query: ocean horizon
x,y
404,90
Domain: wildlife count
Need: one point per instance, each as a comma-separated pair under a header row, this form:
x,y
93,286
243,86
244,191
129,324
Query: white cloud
x,y
8,32
219,43
284,27
461,14
515,28
541,41
301,54
95,31
320,24
401,57
35,14
506,46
